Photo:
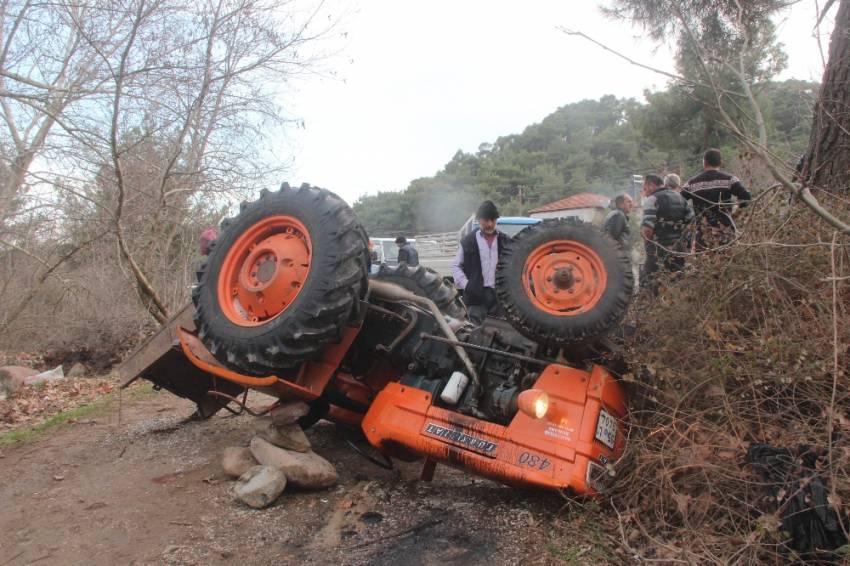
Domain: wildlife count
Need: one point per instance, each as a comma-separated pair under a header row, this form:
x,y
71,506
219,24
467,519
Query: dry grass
x,y
749,346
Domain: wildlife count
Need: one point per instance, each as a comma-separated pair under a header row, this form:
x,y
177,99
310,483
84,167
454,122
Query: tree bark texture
x,y
827,162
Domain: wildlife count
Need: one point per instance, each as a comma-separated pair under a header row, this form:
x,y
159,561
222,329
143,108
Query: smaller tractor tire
x,y
427,283
281,280
563,282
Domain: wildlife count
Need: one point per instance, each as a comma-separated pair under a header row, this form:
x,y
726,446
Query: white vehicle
x,y
437,251
432,253
384,250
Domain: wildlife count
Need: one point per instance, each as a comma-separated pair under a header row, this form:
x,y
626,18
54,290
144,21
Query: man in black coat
x,y
711,193
474,267
666,215
617,222
406,252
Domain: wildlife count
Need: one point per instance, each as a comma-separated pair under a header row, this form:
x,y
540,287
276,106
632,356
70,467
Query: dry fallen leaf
x,y
34,404
711,332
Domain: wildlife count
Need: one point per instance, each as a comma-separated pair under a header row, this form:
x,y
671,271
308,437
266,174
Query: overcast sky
x,y
416,81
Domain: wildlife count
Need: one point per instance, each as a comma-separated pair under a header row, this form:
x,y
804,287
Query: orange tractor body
x,y
284,307
569,447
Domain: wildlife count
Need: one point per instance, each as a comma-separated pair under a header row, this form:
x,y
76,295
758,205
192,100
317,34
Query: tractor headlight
x,y
534,403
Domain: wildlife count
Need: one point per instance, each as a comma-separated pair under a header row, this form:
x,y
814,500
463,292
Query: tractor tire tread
x,y
556,330
337,282
425,282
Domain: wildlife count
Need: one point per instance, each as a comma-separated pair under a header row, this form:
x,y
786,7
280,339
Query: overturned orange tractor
x,y
285,305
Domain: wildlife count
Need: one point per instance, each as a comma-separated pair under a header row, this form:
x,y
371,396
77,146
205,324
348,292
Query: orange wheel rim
x,y
264,271
564,278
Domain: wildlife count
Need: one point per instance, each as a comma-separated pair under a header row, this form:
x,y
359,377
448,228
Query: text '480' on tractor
x,y
284,304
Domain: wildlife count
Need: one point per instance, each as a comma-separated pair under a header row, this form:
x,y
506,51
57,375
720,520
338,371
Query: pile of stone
x,y
279,455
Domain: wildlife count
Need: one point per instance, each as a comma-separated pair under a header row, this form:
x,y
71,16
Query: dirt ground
x,y
149,490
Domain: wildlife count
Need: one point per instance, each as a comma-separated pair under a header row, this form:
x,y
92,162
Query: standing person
x,y
208,236
474,267
673,182
711,193
617,221
406,252
665,216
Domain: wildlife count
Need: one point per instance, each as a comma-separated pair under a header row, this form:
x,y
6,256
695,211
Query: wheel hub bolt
x,y
564,278
265,270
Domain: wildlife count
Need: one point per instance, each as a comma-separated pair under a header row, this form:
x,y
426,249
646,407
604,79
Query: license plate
x,y
606,429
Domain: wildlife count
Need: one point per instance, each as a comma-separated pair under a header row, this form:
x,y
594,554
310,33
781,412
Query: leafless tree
x,y
143,117
206,107
45,66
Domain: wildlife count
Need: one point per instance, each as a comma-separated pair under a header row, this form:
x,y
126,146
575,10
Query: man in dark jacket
x,y
711,193
474,267
617,221
665,217
406,252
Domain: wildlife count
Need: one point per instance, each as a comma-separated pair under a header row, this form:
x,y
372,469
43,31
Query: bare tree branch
x,y
678,78
34,289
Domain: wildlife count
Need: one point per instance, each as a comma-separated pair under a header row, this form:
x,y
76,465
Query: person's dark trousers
x,y
490,306
659,259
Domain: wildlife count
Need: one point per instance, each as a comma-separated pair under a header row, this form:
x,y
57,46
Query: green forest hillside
x,y
591,145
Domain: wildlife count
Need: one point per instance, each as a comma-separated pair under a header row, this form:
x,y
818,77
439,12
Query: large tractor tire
x,y
281,281
563,282
427,283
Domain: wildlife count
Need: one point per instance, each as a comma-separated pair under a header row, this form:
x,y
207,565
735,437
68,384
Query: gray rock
x,y
288,412
237,460
302,469
13,378
259,486
288,436
78,370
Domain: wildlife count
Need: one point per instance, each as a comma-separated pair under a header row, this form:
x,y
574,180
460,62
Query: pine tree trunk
x,y
827,163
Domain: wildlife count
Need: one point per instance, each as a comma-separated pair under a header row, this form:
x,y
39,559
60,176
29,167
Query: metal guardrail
x,y
444,243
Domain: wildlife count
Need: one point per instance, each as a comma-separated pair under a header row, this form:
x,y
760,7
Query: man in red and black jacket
x,y
474,267
711,193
